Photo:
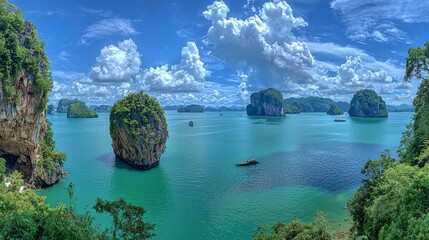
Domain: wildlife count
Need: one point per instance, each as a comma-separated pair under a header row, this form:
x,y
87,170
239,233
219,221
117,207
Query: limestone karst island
x,y
220,119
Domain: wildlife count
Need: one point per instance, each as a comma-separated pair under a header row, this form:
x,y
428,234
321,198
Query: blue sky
x,y
218,52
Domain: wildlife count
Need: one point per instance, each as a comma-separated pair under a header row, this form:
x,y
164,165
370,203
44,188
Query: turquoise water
x,y
307,163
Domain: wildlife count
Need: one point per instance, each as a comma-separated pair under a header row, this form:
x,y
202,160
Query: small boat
x,y
191,124
339,120
247,163
221,114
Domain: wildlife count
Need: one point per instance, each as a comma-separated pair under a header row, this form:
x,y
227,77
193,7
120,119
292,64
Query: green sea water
x,y
307,163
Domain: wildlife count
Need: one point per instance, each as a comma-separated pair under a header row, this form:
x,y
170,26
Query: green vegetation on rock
x,y
64,104
334,110
367,103
49,165
21,54
80,110
191,108
268,102
291,109
139,130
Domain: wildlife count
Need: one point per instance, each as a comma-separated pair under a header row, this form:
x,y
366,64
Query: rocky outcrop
x,y
51,109
334,110
267,102
80,110
25,82
64,104
139,130
22,129
366,103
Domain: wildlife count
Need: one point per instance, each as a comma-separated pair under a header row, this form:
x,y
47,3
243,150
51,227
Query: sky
x,y
217,53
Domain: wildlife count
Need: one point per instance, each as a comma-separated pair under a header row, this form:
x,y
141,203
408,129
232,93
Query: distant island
x,y
268,102
334,110
51,109
367,103
400,108
315,104
101,108
225,109
191,109
64,104
80,110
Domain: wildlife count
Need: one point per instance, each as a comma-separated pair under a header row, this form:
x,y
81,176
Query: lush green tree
x,y
417,135
296,230
127,219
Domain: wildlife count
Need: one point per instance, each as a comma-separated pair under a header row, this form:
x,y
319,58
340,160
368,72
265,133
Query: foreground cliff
x,y
367,103
139,130
267,102
25,137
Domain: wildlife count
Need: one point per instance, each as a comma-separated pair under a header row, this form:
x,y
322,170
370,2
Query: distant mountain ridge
x,y
316,104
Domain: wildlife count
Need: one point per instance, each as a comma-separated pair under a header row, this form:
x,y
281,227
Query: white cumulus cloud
x,y
264,41
117,63
187,76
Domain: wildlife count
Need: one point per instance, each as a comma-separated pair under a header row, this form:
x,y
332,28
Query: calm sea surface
x,y
307,163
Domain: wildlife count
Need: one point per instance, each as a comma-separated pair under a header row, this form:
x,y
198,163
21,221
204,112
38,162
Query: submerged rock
x,y
267,102
139,130
366,103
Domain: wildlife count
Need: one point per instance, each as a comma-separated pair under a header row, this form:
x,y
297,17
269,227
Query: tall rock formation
x,y
139,130
367,103
267,102
24,88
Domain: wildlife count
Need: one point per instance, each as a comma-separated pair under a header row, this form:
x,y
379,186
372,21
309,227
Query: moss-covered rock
x,y
191,108
268,102
64,104
25,83
80,110
291,109
367,103
334,110
139,130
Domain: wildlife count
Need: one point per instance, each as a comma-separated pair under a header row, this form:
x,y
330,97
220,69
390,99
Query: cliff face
x,y
25,82
139,130
267,102
366,103
22,129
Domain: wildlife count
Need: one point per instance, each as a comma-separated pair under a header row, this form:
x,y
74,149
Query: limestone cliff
x,y
366,103
24,88
139,130
267,102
